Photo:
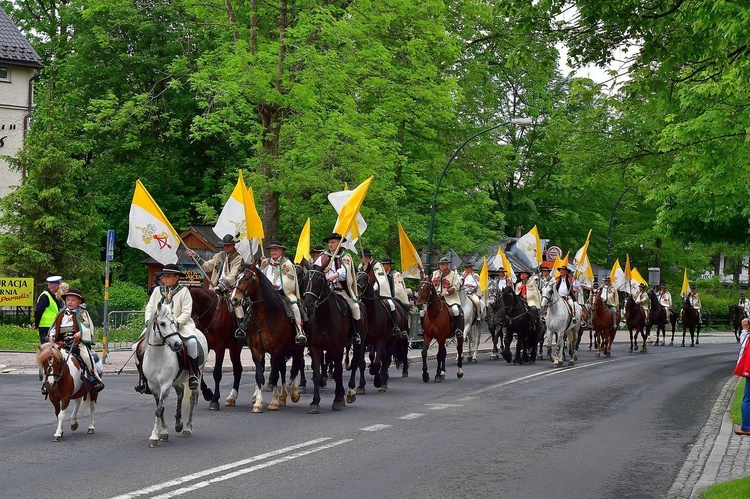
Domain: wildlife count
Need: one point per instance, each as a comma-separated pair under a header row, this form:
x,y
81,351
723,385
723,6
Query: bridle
x,y
319,298
156,327
49,369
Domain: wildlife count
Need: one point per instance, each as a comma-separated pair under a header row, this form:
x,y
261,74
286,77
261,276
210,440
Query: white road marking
x,y
375,427
217,469
412,415
440,407
466,399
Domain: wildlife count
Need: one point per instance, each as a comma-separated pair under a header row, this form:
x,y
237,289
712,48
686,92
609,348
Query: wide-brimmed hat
x,y
469,264
171,268
317,249
386,260
74,292
641,285
277,245
54,279
501,269
229,239
445,259
334,235
366,252
663,285
596,284
607,278
524,271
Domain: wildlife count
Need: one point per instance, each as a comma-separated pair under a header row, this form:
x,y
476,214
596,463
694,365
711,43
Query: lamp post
x,y
522,122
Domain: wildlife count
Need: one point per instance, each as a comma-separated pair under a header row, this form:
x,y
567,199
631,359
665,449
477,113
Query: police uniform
x,y
47,307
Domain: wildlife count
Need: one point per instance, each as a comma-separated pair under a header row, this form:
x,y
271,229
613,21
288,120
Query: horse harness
x,y
331,292
550,303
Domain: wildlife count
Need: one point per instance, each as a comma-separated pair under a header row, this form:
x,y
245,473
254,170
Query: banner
x,y
149,230
16,292
411,263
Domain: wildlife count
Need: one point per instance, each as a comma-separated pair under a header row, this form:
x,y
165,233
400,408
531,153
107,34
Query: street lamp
x,y
522,122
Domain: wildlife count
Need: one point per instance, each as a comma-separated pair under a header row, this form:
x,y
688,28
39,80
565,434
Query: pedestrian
x,y
47,307
157,282
744,429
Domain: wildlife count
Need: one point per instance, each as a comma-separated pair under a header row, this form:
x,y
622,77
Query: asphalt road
x,y
619,427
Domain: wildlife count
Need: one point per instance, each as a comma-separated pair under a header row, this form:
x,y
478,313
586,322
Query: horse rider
x,y
612,300
695,301
744,305
73,327
339,274
641,299
528,289
665,299
279,269
471,284
502,279
316,252
178,297
546,278
396,282
223,267
446,283
595,291
382,286
567,287
47,307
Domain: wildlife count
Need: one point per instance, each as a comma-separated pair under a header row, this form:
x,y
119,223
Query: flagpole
x,y
200,269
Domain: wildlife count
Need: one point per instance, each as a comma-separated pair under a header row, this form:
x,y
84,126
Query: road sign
x,y
110,245
553,252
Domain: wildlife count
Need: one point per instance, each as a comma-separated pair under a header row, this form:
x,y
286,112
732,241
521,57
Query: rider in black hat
x,y
280,271
224,266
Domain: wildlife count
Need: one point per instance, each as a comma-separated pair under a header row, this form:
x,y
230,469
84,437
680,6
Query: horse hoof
x,y
608,354
294,397
571,363
671,343
187,433
460,374
643,350
425,377
662,343
153,443
300,390
692,344
382,389
56,438
256,410
631,349
683,343
178,427
164,437
438,379
228,403
404,375
282,402
597,354
337,406
697,342
214,405
361,391
90,431
273,407
74,426
314,409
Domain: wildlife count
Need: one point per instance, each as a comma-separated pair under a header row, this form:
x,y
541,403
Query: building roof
x,y
15,49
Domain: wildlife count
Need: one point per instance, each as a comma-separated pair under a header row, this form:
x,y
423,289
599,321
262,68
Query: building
x,y
19,65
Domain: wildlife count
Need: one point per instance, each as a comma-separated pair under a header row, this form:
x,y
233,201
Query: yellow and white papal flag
x,y
530,247
338,200
411,263
240,219
618,277
149,230
303,244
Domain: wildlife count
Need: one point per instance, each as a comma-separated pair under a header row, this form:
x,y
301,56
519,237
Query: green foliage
x,y
18,338
735,410
126,296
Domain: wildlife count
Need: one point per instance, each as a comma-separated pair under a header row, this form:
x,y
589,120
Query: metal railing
x,y
124,328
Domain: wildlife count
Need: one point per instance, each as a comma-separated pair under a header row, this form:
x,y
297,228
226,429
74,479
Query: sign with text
x,y
553,252
16,292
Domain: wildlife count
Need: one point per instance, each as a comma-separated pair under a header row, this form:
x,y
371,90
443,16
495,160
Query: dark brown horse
x,y
658,317
330,329
736,314
380,327
635,318
64,382
603,327
263,314
690,320
436,324
212,316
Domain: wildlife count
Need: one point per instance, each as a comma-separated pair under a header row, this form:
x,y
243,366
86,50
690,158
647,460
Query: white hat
x,y
54,279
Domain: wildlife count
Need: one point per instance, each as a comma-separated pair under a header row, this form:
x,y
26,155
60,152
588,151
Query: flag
x,y
506,264
560,263
580,259
636,278
350,209
303,244
240,219
627,267
484,276
530,248
618,277
585,273
338,200
685,284
149,230
411,263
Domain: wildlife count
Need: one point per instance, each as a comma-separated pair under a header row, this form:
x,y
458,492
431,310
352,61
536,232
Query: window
x,y
4,73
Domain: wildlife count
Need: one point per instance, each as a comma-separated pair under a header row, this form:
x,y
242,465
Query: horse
x,y
330,328
380,328
63,382
519,321
495,315
659,316
212,316
162,370
736,314
262,313
690,320
604,329
635,318
562,323
436,324
471,329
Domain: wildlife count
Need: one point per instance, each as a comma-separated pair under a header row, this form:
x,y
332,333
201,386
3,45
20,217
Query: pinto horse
x,y
212,316
690,320
163,370
519,321
63,382
603,327
635,318
262,311
436,324
659,316
330,329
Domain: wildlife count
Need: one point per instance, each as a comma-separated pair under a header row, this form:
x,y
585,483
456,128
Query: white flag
x,y
149,230
529,248
338,199
232,220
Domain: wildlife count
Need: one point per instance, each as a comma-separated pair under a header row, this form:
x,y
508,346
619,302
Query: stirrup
x,y
97,386
300,339
356,340
396,332
193,382
240,334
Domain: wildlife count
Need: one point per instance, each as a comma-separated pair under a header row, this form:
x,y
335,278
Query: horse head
x,y
365,285
50,360
316,289
244,287
164,327
425,292
547,293
492,292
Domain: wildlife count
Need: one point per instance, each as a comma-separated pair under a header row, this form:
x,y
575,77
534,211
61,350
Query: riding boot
x,y
356,339
396,329
459,325
194,370
300,339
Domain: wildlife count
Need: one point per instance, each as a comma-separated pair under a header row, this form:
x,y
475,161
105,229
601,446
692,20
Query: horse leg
x,y
358,364
477,342
60,407
188,430
459,366
92,409
425,345
573,347
684,330
644,337
180,391
213,403
338,375
260,379
441,355
235,358
698,333
273,380
159,432
74,415
315,355
507,340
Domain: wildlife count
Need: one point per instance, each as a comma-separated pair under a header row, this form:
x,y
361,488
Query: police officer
x,y
47,307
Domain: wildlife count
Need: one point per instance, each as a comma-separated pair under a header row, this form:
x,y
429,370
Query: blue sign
x,y
110,245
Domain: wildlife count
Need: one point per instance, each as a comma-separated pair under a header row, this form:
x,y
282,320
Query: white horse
x,y
471,331
162,370
561,323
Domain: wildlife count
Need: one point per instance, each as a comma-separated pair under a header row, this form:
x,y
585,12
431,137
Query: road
x,y
618,427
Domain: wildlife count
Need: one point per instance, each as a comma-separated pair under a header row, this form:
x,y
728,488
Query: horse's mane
x,y
45,351
273,298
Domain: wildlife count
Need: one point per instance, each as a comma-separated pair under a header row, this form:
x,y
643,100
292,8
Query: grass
x,y
18,338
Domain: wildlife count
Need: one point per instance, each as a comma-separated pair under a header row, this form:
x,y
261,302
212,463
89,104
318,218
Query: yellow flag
x,y
685,284
149,230
303,244
557,264
411,263
530,246
350,209
252,219
484,275
627,267
580,259
506,264
636,276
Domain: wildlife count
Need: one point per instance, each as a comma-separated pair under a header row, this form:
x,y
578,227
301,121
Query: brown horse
x,y
635,318
63,382
436,324
659,317
690,321
212,316
269,331
603,327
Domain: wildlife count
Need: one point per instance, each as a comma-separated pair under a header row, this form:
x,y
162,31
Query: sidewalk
x,y
717,456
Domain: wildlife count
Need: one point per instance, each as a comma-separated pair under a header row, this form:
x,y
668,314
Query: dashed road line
x,y
411,415
375,427
440,407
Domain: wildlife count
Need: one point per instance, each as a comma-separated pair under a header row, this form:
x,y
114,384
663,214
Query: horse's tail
x,y
401,352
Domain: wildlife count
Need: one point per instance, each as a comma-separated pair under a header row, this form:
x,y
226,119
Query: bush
x,y
127,296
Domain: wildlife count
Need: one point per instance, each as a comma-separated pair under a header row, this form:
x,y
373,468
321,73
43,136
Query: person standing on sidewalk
x,y
47,307
744,429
